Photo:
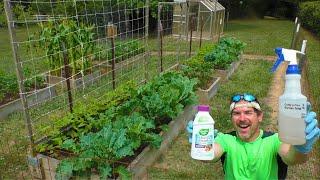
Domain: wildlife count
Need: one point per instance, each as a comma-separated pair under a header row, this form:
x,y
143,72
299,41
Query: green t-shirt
x,y
250,160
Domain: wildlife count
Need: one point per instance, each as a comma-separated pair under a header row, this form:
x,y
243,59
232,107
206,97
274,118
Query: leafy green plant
x,y
227,50
89,117
97,136
3,19
123,50
165,96
99,150
9,87
103,149
197,68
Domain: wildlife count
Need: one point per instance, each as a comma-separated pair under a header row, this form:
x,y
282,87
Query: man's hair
x,y
257,111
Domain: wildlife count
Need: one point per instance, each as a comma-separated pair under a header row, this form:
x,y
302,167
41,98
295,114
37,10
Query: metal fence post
x,y
147,55
295,33
160,37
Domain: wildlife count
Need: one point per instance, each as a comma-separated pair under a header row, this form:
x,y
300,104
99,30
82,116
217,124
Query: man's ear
x,y
260,116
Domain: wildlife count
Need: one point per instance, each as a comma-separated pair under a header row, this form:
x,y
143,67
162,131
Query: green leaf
x,y
124,174
64,170
105,171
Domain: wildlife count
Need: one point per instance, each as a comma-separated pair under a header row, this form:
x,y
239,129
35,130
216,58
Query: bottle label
x,y
294,108
204,138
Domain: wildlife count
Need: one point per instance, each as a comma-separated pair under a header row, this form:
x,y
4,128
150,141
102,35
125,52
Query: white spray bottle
x,y
292,104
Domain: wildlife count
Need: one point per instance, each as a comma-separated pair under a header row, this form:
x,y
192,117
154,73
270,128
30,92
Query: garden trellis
x,y
74,51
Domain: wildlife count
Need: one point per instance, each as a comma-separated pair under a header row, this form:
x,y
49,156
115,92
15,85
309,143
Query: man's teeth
x,y
243,125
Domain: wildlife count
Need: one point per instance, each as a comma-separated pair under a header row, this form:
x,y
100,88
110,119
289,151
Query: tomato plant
x,y
76,38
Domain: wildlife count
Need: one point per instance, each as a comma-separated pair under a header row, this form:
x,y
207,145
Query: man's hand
x,y
189,128
312,133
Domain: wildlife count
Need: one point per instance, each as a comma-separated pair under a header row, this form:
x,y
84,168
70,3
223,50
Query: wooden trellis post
x,y
111,33
191,28
67,75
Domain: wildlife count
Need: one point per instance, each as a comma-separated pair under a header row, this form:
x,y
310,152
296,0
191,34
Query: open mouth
x,y
243,126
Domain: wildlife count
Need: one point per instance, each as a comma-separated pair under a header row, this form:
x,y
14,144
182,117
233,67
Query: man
x,y
249,152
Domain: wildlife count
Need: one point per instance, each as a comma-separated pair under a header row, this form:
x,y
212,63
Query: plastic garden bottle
x,y
203,135
292,109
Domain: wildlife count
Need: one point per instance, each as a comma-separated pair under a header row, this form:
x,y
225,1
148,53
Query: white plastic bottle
x,y
203,135
292,109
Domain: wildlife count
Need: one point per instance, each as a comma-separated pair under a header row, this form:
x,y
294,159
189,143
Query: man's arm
x,y
217,152
290,155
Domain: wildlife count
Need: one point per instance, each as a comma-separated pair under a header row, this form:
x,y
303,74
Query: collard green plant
x,y
102,149
165,96
227,50
96,150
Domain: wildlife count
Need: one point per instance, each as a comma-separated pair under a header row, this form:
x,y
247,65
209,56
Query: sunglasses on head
x,y
246,96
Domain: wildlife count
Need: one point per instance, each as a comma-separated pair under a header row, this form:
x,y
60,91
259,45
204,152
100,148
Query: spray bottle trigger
x,y
279,60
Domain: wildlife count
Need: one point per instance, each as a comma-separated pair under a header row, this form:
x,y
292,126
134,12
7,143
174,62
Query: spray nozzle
x,y
286,55
289,55
279,60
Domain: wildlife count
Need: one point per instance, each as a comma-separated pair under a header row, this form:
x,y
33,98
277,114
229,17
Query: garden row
x,y
211,62
105,135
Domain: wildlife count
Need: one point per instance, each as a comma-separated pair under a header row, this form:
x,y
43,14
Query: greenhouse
x,y
205,18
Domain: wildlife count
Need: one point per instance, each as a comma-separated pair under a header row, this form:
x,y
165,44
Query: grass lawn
x,y
261,36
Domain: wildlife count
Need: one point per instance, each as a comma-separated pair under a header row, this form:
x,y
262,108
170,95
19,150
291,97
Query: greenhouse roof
x,y
212,5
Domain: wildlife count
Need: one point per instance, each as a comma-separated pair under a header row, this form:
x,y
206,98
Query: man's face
x,y
247,122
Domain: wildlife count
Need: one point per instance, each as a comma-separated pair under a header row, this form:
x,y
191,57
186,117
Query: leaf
x,y
105,171
70,145
124,174
64,170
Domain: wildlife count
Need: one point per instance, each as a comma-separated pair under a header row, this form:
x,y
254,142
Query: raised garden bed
x,y
46,166
226,74
103,137
206,94
34,98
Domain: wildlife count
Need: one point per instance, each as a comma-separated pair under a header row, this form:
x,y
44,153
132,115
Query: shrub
x,y
309,13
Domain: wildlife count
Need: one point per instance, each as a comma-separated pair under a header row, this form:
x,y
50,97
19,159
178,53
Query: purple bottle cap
x,y
203,108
